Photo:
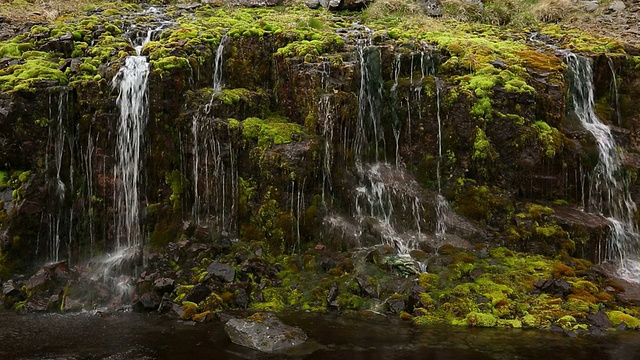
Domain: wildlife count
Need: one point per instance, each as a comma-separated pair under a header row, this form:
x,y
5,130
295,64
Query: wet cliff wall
x,y
315,113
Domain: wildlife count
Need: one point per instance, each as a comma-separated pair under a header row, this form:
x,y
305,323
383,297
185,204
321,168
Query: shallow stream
x,y
120,336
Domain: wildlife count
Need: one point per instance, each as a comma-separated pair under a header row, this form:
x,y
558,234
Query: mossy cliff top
x,y
493,45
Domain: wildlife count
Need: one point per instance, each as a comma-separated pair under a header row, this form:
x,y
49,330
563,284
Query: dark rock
x,y
223,271
431,7
36,304
264,332
72,305
255,3
600,320
9,289
626,292
164,285
62,44
557,287
367,285
197,294
241,299
622,326
38,281
333,295
397,303
148,301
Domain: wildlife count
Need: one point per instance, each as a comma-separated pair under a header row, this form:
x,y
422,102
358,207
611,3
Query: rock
x,y
600,320
164,285
589,6
9,289
62,44
431,7
241,299
39,280
197,294
397,303
333,295
148,301
223,271
553,286
255,3
264,332
190,6
616,6
626,292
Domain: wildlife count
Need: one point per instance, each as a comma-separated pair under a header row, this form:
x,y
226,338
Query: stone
x,y
600,320
10,289
397,303
197,294
264,332
255,3
616,6
589,6
223,271
431,7
63,44
333,295
148,301
164,285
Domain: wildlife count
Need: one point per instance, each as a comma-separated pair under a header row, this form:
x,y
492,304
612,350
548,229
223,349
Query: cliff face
x,y
322,131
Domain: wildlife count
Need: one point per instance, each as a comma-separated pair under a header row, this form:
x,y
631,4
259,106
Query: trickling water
x,y
200,125
443,209
326,119
369,131
614,90
397,126
609,189
392,197
59,218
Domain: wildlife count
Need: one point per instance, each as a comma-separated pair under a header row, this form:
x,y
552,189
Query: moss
x,y
189,309
169,63
617,317
274,131
428,281
567,322
4,178
23,76
550,138
482,148
233,96
274,300
477,319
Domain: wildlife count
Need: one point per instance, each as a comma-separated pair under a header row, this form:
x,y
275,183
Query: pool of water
x,y
331,336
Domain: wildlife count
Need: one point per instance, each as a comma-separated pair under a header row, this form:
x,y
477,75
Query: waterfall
x,y
59,218
369,131
200,125
326,119
393,92
614,91
215,171
443,209
131,81
609,189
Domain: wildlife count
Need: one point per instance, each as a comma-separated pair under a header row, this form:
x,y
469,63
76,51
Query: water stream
x,y
119,336
609,189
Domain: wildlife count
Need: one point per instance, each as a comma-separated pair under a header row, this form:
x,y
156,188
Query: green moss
x,y
617,317
482,148
274,131
4,178
233,96
478,319
550,138
169,63
23,76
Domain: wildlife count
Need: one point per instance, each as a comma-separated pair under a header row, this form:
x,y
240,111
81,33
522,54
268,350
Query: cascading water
x,y
326,119
609,189
614,91
60,217
131,80
443,209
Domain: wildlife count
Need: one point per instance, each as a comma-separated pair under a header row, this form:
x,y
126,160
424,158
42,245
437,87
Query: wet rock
x,y
264,332
164,285
36,305
431,7
333,295
368,285
197,294
397,303
10,289
72,305
600,320
241,299
255,3
62,44
626,292
223,271
557,287
148,301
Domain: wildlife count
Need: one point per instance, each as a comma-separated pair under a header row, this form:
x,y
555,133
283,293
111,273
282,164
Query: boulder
x,y
223,271
264,332
431,7
197,294
164,285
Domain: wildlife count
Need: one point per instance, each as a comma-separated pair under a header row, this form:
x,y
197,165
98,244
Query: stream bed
x,y
119,336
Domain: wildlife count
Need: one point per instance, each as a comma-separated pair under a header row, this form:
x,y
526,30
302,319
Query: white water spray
x,y
609,189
